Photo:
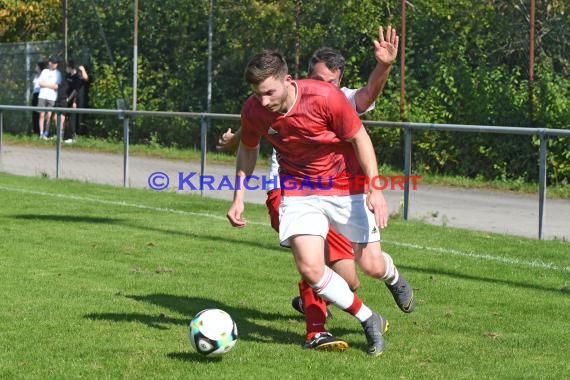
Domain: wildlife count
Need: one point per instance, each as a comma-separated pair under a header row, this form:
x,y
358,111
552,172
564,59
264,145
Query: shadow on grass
x,y
252,323
159,321
68,218
193,357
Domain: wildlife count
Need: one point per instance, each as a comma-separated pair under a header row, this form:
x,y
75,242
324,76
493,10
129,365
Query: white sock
x,y
364,313
334,288
392,275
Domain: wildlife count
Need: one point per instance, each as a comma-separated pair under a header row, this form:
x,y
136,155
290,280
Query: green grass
x,y
101,282
154,150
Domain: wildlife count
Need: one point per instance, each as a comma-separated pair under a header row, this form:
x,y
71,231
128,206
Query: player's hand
x,y
376,203
235,213
386,48
225,141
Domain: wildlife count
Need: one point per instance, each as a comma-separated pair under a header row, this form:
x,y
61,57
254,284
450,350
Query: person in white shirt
x,y
49,81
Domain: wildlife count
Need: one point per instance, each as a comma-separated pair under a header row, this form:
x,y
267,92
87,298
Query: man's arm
x,y
229,141
367,158
83,73
245,163
48,84
385,52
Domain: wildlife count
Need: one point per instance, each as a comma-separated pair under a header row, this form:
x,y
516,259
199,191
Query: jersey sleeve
x,y
350,94
249,136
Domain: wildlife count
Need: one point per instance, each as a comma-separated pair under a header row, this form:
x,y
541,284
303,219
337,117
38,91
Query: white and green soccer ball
x,y
212,332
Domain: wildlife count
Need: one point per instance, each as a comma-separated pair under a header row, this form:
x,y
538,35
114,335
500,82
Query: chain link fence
x,y
17,64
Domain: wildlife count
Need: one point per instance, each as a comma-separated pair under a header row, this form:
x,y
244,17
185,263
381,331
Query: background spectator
x,y
40,66
49,81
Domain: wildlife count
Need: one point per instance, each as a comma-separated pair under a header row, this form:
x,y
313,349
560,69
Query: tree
x,y
32,20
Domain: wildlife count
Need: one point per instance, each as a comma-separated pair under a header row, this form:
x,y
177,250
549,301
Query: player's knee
x,y
310,274
373,269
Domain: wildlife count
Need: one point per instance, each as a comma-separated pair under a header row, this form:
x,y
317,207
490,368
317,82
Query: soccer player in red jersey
x,y
328,65
320,140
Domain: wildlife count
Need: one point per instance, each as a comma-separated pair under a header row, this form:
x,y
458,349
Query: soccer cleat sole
x,y
332,346
325,341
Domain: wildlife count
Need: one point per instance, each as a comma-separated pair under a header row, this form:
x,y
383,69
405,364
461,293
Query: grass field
x,y
101,282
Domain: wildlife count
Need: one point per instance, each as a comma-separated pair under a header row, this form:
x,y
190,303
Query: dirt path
x,y
500,212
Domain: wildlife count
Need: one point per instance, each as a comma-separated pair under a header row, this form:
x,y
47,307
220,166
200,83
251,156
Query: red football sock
x,y
315,310
355,307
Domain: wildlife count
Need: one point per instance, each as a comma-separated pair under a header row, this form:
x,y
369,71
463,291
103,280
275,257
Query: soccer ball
x,y
212,332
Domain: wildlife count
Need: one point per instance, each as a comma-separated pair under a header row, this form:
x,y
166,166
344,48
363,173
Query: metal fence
x,y
407,128
17,64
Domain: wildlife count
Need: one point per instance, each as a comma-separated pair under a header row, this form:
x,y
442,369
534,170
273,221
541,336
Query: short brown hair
x,y
265,64
332,59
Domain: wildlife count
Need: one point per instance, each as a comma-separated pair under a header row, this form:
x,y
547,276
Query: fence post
x,y
57,142
203,144
541,184
407,167
125,151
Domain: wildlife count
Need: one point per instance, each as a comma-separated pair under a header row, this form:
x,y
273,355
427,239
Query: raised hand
x,y
386,47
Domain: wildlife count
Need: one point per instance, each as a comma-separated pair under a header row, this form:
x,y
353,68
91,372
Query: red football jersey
x,y
310,140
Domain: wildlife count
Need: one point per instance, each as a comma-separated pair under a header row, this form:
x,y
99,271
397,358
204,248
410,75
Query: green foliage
x,y
553,111
30,20
476,72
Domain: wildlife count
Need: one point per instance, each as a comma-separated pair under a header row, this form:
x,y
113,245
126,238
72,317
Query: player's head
x,y
327,64
265,64
53,61
70,66
268,75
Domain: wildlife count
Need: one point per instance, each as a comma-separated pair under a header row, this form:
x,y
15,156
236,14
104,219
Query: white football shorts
x,y
312,215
